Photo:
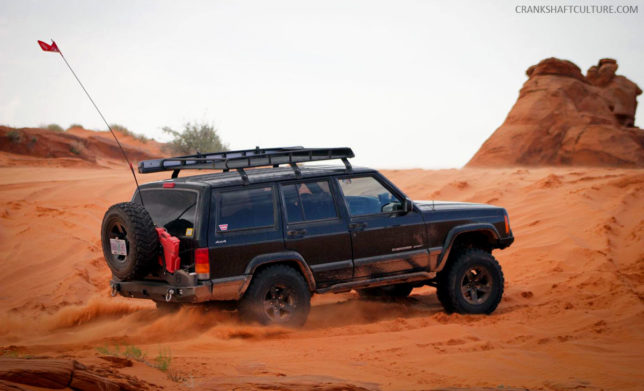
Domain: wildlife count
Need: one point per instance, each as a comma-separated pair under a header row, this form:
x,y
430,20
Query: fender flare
x,y
453,234
280,257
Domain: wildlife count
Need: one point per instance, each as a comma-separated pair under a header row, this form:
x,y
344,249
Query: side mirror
x,y
408,205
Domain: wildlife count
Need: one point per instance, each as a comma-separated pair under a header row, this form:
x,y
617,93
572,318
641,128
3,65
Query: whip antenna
x,y
54,48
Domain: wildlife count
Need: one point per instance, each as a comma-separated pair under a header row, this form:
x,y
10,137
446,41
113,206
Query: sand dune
x,y
76,147
571,318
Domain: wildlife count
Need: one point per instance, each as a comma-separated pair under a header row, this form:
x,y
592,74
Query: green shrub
x,y
163,360
55,128
121,129
75,126
130,351
77,147
134,353
141,138
198,137
127,132
15,136
105,350
13,354
176,376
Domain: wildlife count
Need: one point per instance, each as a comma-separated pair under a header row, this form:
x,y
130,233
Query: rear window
x,y
174,210
246,208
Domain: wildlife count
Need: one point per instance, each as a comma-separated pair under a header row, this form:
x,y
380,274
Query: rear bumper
x,y
219,289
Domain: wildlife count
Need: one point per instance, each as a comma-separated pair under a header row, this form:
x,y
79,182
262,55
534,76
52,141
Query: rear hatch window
x,y
173,209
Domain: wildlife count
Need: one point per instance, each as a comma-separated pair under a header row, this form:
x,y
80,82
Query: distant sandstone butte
x,y
565,118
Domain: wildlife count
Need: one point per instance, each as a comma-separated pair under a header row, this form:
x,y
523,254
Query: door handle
x,y
357,226
296,233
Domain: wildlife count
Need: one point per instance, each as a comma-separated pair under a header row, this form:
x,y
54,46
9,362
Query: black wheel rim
x,y
279,303
476,285
116,230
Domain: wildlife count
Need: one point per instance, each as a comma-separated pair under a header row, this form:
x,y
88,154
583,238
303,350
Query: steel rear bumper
x,y
219,289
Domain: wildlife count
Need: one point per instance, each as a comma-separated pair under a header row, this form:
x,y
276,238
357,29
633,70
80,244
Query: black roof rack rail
x,y
247,158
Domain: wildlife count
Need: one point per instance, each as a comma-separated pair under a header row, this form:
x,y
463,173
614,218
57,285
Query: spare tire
x,y
130,241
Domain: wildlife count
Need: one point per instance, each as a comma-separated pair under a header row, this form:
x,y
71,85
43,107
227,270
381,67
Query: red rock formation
x,y
564,118
618,91
63,374
40,373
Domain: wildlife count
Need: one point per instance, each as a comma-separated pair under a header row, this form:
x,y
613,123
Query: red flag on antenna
x,y
49,48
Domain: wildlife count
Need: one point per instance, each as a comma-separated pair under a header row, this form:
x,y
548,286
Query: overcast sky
x,y
405,83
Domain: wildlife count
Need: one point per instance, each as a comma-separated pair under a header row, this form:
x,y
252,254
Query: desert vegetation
x,y
54,127
195,138
127,132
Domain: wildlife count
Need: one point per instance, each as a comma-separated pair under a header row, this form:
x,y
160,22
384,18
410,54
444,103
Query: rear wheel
x,y
471,284
386,292
277,295
130,242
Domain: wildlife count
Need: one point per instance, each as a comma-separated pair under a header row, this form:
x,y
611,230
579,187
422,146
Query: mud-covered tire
x,y
442,291
130,222
277,295
398,291
472,283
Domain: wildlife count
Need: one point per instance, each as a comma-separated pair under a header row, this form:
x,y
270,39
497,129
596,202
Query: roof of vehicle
x,y
260,175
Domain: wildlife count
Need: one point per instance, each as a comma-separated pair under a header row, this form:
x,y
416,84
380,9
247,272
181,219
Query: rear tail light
x,y
202,264
507,224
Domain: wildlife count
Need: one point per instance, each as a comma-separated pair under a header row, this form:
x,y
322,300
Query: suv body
x,y
341,228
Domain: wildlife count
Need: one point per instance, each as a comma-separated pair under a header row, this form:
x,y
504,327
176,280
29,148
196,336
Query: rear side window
x,y
308,201
174,210
246,208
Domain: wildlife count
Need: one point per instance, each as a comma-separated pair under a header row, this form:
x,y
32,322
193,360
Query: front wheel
x,y
277,295
471,284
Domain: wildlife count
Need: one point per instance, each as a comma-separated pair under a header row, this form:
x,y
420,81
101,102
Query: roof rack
x,y
247,158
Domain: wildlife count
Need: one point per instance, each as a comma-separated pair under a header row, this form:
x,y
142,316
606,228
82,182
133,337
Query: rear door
x,y
314,228
244,223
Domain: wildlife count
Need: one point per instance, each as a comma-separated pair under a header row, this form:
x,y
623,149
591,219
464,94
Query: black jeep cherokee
x,y
270,237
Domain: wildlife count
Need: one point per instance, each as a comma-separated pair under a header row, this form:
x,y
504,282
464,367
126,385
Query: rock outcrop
x,y
618,91
565,118
63,374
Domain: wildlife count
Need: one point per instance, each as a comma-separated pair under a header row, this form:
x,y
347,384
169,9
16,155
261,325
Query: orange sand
x,y
572,316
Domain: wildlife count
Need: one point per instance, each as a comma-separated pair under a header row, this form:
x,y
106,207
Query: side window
x,y
246,208
365,195
308,201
